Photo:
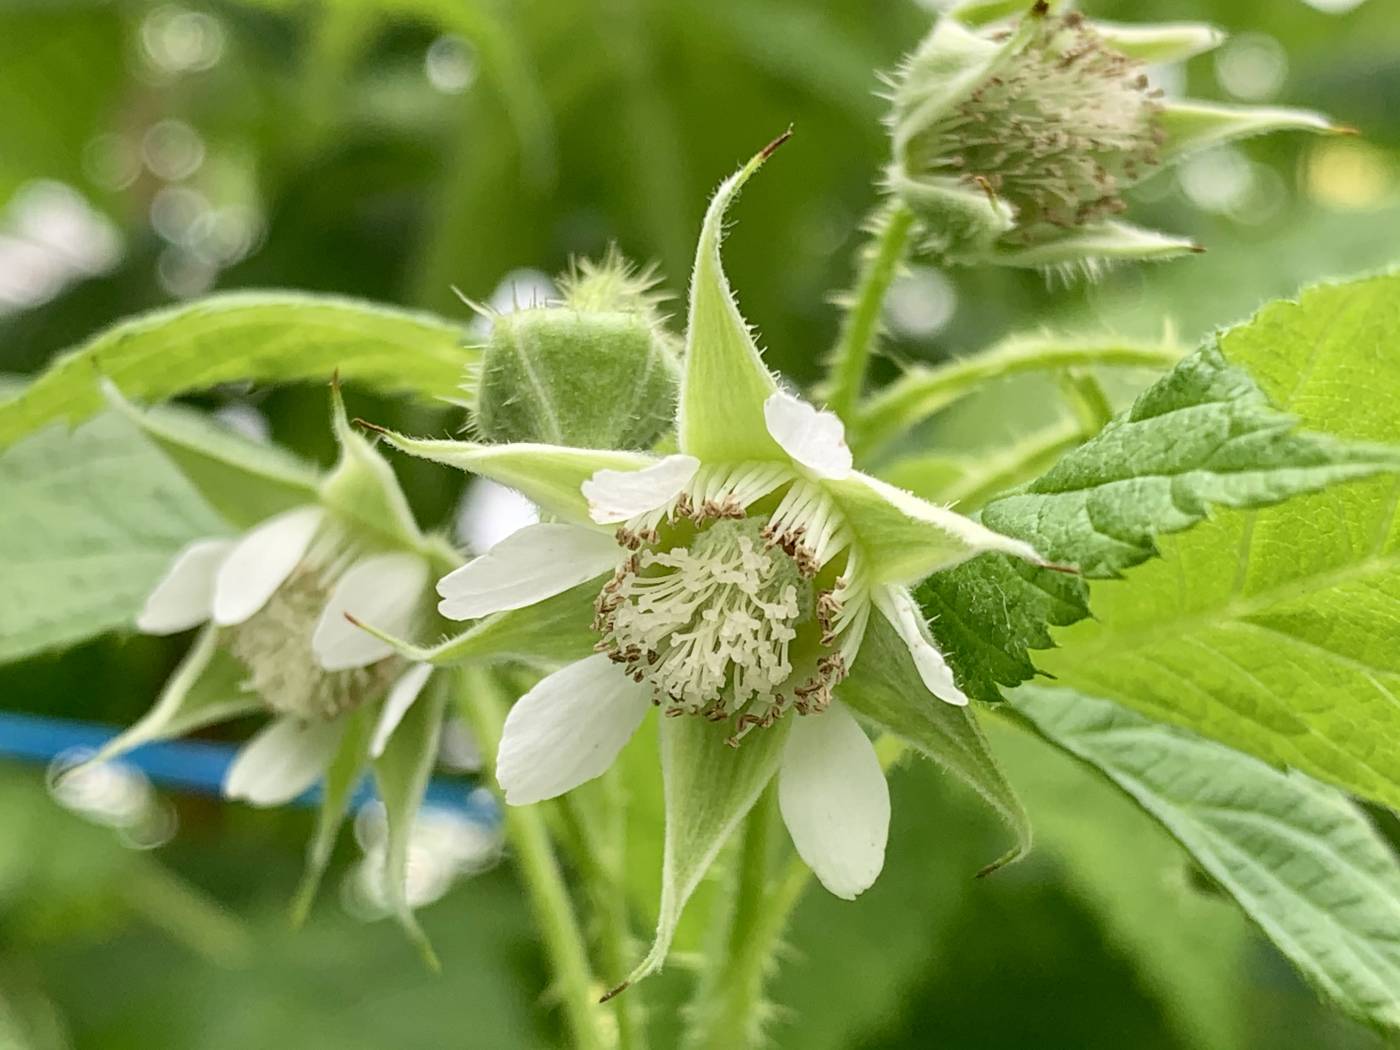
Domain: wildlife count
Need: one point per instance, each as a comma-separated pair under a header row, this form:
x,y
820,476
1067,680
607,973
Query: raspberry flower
x,y
736,586
271,606
1014,142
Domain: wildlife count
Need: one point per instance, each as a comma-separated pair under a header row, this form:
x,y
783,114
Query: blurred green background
x,y
396,149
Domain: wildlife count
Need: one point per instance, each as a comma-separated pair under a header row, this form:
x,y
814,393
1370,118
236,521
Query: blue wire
x,y
199,765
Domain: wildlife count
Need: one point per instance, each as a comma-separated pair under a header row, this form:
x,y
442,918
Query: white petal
x,y
817,440
617,495
396,705
834,800
260,562
568,729
528,566
185,594
385,590
908,621
282,761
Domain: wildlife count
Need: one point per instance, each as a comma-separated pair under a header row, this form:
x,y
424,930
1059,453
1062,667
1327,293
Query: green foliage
x,y
257,337
91,521
1205,434
1272,631
1301,859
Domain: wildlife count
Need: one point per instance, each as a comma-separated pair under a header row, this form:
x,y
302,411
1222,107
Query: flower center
x,y
721,625
275,646
1057,132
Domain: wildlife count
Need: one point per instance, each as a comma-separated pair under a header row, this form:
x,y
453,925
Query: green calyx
x,y
1013,142
567,377
597,370
1055,130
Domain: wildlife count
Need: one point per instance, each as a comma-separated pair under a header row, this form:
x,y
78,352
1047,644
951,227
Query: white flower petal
x,y
260,562
834,800
568,729
528,566
396,705
385,590
617,495
184,596
815,439
282,761
899,608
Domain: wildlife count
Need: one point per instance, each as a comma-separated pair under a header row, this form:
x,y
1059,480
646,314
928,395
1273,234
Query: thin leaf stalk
x,y
884,257
483,705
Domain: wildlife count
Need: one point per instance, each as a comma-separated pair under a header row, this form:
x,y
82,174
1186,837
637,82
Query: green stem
x,y
1087,400
861,327
600,858
484,707
923,391
729,1004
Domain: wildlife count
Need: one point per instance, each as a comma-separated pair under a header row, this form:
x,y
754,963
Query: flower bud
x,y
597,371
1014,144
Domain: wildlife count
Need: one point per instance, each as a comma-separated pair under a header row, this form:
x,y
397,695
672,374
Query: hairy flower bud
x,y
1014,143
599,370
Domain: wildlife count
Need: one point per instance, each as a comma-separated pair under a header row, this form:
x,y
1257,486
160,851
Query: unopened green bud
x,y
599,371
1013,144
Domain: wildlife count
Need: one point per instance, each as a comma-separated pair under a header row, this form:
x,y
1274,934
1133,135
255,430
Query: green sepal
x,y
1160,43
337,788
958,220
363,489
709,788
724,381
1086,247
904,538
401,774
549,475
587,379
549,633
207,687
1191,126
244,481
949,64
885,689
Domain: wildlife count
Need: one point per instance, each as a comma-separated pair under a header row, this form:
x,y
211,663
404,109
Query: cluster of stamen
x,y
1058,131
713,623
274,644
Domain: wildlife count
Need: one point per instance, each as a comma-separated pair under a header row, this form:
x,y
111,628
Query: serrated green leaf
x,y
91,521
1274,631
1204,434
1301,859
1189,946
884,688
245,336
987,614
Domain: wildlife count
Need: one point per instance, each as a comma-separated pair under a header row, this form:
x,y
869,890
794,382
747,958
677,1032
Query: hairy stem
x,y
861,327
484,706
599,852
924,391
729,1001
